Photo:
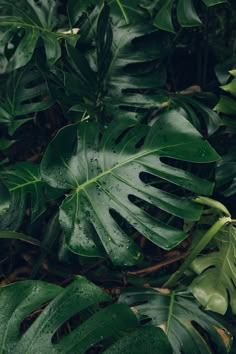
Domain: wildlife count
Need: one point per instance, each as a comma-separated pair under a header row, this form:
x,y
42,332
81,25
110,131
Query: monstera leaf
x,y
185,11
184,323
25,22
216,283
22,179
25,94
19,300
125,60
104,174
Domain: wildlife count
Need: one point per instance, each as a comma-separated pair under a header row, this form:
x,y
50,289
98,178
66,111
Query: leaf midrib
x,y
33,27
125,162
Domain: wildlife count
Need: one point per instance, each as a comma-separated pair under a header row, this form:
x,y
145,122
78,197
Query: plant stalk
x,y
197,249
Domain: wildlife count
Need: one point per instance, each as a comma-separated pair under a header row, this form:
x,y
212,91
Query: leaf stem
x,y
213,204
207,237
122,11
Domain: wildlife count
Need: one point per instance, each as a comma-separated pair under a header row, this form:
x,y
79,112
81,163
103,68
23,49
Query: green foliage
x,y
20,299
112,176
215,285
181,318
104,172
125,59
185,12
227,104
25,94
25,22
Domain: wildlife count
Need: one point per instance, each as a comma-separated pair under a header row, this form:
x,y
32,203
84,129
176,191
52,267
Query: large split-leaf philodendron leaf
x,y
19,300
185,324
104,171
215,285
124,60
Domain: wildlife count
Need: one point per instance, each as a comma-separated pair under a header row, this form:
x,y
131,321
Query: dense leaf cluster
x,y
109,159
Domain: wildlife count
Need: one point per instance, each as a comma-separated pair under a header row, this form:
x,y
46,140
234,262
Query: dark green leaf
x,y
163,19
30,21
182,319
5,199
19,236
25,94
147,340
23,179
103,175
19,300
186,14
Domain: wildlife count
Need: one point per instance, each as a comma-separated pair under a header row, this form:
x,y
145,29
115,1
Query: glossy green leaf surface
x,y
181,319
30,21
214,287
19,300
25,94
124,58
103,173
145,340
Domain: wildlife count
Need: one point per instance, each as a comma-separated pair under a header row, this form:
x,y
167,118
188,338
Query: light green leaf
x,y
216,283
103,176
226,105
231,87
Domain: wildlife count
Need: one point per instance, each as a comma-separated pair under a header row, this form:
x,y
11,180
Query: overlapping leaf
x,y
181,318
215,286
227,104
24,95
22,179
25,22
19,300
186,13
105,175
123,62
